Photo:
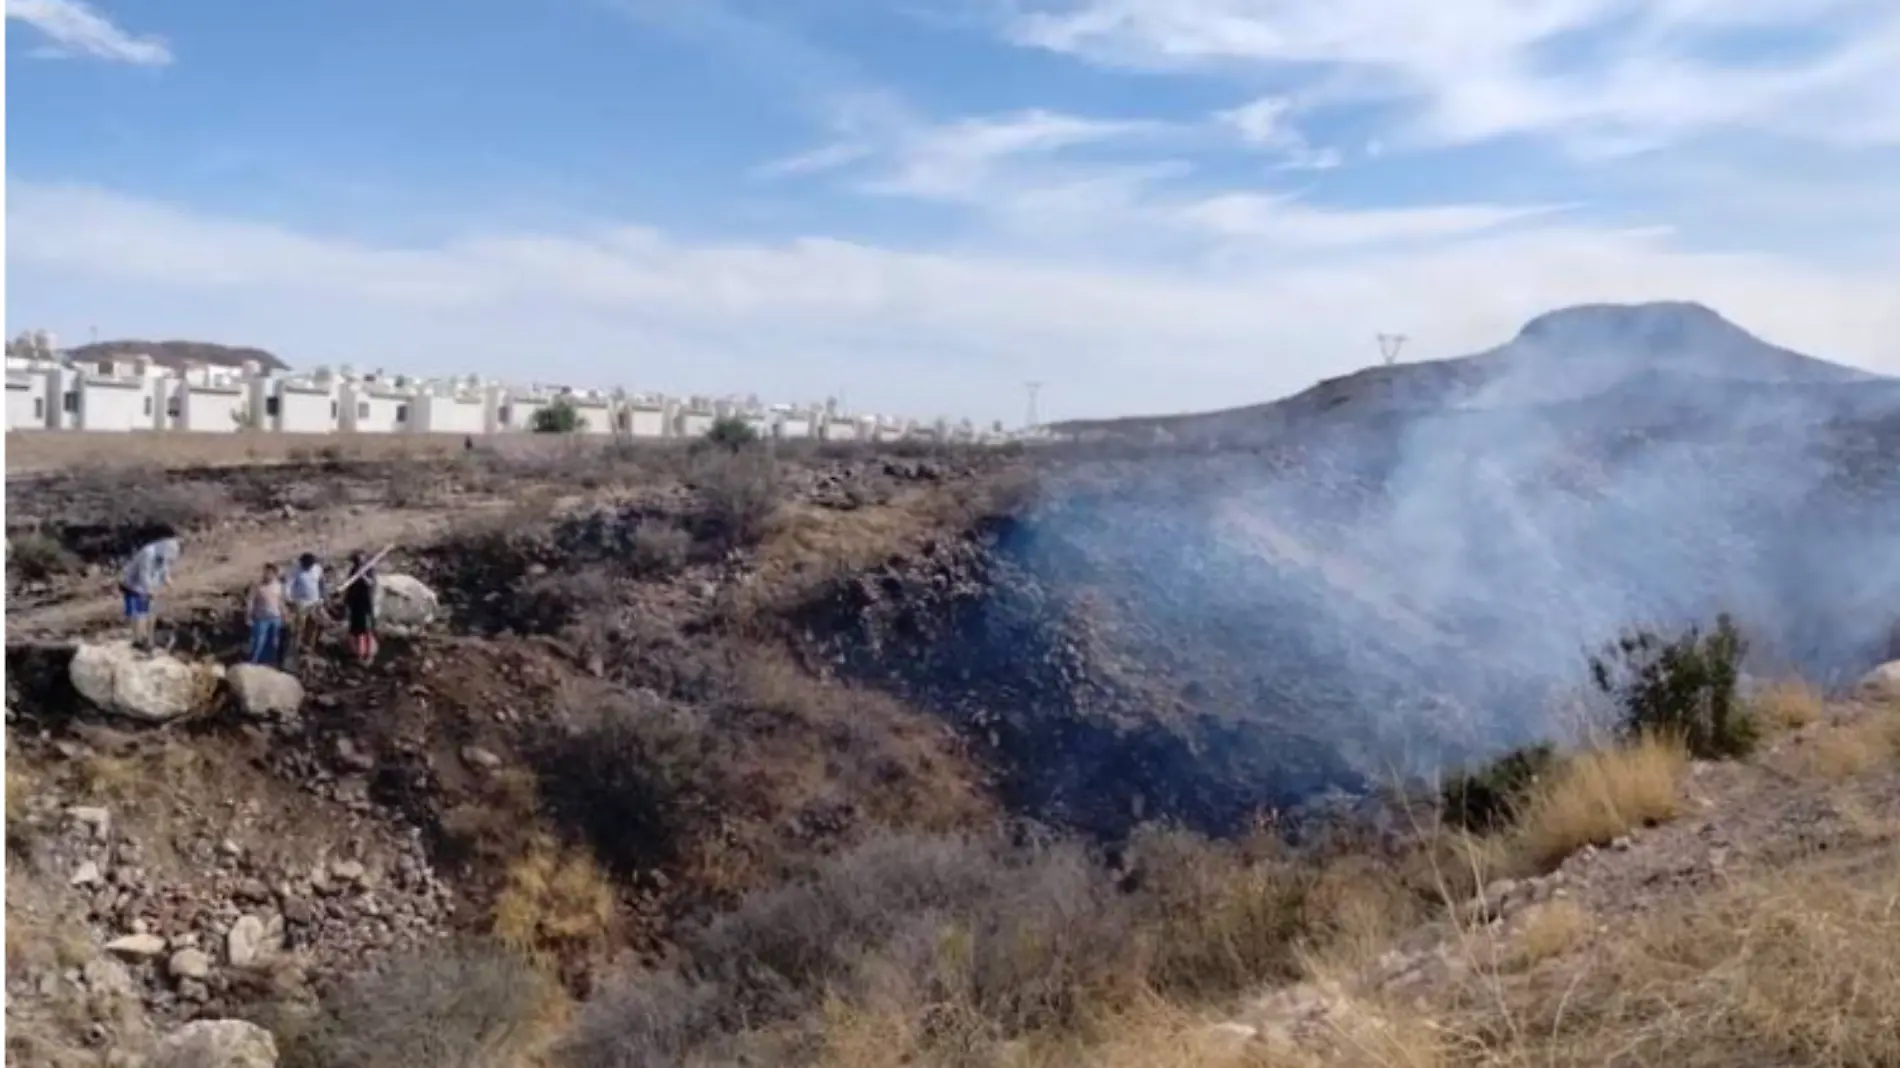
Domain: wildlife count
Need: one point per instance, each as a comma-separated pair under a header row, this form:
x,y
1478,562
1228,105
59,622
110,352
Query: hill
x,y
1564,355
177,354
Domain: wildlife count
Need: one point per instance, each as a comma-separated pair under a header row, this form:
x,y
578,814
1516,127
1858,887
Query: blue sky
x,y
1145,204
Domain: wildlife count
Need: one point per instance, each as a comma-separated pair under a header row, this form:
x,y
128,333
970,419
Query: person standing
x,y
359,602
265,614
148,571
305,595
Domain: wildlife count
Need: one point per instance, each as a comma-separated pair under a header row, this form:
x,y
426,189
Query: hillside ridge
x,y
176,354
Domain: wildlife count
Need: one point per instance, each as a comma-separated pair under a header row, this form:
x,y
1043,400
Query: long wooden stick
x,y
364,570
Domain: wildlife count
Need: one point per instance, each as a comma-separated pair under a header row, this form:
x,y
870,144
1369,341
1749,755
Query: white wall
x,y
838,430
695,424
646,422
116,405
212,409
794,427
26,401
306,411
596,418
436,414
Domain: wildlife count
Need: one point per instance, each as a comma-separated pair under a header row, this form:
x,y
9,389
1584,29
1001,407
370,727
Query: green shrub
x,y
732,432
1682,687
1489,798
561,417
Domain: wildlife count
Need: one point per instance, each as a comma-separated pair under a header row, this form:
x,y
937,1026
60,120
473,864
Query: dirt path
x,y
213,570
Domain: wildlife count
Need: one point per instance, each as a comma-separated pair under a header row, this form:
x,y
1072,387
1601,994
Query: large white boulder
x,y
1883,682
404,601
155,687
217,1044
264,691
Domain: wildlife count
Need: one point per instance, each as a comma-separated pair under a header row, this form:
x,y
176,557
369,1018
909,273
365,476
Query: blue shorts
x,y
137,605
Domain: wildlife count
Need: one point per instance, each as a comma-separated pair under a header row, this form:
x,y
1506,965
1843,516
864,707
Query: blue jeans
x,y
264,635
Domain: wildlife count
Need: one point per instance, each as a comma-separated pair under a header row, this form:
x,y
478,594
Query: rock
x,y
265,692
154,687
137,945
1883,682
103,975
244,942
348,871
477,757
87,874
217,1044
404,601
189,964
95,819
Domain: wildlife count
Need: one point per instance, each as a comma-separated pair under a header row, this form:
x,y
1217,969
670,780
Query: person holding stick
x,y
359,602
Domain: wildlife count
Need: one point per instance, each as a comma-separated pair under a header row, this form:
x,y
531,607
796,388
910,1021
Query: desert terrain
x,y
1269,739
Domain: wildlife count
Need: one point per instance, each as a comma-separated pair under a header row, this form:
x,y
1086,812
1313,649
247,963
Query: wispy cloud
x,y
73,28
1603,75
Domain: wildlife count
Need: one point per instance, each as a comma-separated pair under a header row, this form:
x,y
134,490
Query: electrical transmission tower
x,y
1029,418
1389,346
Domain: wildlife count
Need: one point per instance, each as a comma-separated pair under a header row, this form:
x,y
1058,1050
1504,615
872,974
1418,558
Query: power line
x,y
1029,420
1389,346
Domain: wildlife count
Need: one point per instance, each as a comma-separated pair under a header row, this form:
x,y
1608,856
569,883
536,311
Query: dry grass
x,y
1846,750
1794,967
1548,930
1788,704
555,902
1597,795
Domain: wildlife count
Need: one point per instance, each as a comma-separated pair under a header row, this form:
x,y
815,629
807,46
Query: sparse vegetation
x,y
1683,686
555,903
468,1006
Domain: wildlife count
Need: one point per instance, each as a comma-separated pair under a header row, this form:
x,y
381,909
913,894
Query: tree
x,y
561,417
732,432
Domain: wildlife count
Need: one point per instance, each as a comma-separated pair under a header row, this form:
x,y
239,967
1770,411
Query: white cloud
x,y
1602,75
1267,123
909,331
74,28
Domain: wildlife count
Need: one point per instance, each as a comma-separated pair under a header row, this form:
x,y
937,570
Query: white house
x,y
216,407
26,400
841,429
792,424
515,409
596,410
645,415
450,408
298,404
374,406
109,403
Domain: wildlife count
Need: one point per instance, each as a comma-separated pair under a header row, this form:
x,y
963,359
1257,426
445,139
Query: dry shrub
x,y
1787,704
150,500
1852,748
411,484
1796,967
659,549
1547,930
1596,795
461,1007
951,950
739,493
554,903
36,558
